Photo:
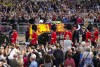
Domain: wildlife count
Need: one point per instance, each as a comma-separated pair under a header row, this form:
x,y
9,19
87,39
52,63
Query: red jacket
x,y
34,38
69,33
88,36
25,60
14,36
95,35
53,38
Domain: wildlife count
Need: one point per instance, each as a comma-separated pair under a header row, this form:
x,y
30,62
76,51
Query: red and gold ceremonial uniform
x,y
88,36
14,36
68,33
53,38
34,39
95,35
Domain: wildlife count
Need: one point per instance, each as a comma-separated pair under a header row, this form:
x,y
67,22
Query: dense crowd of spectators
x,y
49,56
25,11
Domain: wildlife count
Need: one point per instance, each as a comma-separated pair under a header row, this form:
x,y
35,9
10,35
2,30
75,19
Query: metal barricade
x,y
4,28
20,28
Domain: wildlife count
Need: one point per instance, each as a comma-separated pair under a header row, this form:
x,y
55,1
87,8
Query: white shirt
x,y
2,57
12,53
67,43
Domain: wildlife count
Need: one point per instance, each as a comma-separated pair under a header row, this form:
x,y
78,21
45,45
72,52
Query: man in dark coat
x,y
83,34
27,35
10,32
75,36
43,39
4,40
59,56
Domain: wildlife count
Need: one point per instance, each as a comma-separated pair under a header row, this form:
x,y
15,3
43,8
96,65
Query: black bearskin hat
x,y
95,26
68,27
34,27
14,26
53,27
31,21
90,27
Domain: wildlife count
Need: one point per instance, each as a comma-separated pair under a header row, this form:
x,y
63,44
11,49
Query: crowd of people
x,y
27,11
50,56
45,50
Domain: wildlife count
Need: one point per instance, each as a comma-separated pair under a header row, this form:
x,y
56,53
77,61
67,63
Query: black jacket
x,y
83,35
75,36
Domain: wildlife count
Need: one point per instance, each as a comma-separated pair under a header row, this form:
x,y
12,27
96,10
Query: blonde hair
x,y
88,48
33,56
83,43
20,61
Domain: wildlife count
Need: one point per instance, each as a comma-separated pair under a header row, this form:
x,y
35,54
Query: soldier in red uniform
x,y
53,35
34,40
95,35
14,36
88,35
68,32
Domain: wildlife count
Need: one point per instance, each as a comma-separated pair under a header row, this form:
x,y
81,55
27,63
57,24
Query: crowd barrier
x,y
20,28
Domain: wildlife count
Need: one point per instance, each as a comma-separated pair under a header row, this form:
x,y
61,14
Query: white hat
x,y
83,43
